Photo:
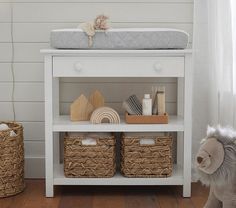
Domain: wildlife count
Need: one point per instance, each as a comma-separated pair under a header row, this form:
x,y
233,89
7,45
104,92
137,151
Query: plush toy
x,y
100,23
216,167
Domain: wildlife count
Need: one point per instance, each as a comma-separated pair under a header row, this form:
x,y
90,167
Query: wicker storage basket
x,y
139,159
11,160
93,161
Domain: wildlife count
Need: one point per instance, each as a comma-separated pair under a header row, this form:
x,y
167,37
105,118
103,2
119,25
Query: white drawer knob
x,y
157,67
78,66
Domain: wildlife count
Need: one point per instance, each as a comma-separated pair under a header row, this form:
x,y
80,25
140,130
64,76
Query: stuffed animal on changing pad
x,y
216,167
100,23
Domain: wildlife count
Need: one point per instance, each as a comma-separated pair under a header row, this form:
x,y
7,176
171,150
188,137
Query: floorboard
x,y
106,197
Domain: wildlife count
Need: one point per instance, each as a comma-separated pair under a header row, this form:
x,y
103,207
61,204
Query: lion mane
x,y
226,173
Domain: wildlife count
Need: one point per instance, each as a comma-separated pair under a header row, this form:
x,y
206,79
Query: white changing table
x,y
118,63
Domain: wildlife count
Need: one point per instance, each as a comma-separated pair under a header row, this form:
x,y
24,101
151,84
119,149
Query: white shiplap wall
x,y
32,22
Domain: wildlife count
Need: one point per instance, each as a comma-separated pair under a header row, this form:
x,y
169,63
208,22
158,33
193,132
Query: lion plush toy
x,y
216,167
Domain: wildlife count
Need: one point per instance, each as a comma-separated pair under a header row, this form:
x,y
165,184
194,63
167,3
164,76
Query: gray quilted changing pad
x,y
127,38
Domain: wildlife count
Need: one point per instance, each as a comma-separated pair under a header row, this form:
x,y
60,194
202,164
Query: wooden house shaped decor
x,y
97,99
81,109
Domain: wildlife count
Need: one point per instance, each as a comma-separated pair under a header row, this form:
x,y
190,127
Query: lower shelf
x,y
118,179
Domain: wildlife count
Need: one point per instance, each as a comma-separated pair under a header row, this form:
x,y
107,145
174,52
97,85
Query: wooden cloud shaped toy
x,y
105,114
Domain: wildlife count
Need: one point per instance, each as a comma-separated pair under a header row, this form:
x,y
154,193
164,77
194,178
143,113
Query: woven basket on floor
x,y
89,160
145,160
11,160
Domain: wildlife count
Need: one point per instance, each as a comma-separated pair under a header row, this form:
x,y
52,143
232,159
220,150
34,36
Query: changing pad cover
x,y
126,38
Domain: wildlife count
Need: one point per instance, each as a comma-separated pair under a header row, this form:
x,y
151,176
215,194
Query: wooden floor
x,y
106,197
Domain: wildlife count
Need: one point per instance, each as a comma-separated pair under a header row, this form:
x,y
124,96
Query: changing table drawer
x,y
118,66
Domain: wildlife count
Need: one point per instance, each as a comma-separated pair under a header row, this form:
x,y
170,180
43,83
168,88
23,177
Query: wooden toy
x,y
81,109
97,99
104,115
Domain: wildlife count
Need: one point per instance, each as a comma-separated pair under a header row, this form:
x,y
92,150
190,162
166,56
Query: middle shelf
x,y
63,123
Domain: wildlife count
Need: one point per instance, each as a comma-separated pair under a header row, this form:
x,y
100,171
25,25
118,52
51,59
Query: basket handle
x,y
151,140
89,141
147,141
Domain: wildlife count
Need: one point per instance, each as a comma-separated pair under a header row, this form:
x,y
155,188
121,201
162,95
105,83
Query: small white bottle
x,y
147,105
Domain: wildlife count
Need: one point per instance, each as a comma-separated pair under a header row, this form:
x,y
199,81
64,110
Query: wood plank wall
x,y
32,22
